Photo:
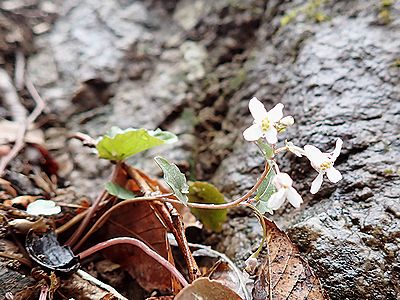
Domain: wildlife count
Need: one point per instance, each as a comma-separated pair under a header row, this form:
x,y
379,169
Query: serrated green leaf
x,y
174,178
266,149
119,191
204,192
118,144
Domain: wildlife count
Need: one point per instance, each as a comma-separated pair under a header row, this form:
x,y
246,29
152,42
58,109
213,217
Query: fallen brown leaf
x,y
204,288
284,274
142,221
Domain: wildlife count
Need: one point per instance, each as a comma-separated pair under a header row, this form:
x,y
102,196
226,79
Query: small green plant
x,y
209,205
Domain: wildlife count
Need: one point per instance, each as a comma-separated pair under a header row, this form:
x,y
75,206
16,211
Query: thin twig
x,y
20,259
100,221
76,235
146,249
71,222
18,113
40,104
102,285
84,138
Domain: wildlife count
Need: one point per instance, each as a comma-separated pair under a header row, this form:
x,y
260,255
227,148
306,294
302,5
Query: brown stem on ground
x,y
71,222
173,220
137,243
77,234
108,213
92,210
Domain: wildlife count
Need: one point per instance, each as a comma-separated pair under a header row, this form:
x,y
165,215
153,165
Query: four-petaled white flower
x,y
323,163
43,207
264,122
283,184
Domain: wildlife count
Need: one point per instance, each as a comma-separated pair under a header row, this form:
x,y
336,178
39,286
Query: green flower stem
x,y
237,201
146,249
260,218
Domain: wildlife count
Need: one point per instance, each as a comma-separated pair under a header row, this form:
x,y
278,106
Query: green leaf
x,y
203,192
174,178
266,149
264,192
119,191
118,144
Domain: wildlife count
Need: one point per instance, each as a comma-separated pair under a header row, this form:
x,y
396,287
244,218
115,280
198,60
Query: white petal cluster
x,y
43,207
283,184
323,164
266,122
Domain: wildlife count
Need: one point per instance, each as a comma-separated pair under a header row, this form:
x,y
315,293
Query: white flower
x,y
43,207
295,149
264,122
323,163
283,183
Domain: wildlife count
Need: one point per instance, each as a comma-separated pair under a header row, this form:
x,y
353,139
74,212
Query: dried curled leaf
x,y
174,178
204,288
284,273
204,192
118,144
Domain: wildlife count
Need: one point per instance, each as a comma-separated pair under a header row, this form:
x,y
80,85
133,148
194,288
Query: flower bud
x,y
251,265
287,121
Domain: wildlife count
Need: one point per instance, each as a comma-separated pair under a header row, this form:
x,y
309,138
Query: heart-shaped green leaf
x,y
174,178
118,144
119,191
204,192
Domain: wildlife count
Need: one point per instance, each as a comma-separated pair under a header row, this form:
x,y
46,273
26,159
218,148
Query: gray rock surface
x,y
192,68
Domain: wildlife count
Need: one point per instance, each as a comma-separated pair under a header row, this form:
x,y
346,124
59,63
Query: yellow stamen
x,y
265,124
325,165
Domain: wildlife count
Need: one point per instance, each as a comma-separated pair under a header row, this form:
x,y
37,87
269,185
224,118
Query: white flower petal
x,y
257,110
338,148
314,155
277,199
294,197
295,149
43,207
316,184
333,175
282,180
271,135
276,113
253,133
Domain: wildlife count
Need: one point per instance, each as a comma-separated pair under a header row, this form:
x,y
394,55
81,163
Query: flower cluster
x,y
266,126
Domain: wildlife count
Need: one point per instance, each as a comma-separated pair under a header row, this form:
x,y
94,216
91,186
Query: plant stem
x,y
146,249
91,211
107,214
71,222
74,238
237,201
260,218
